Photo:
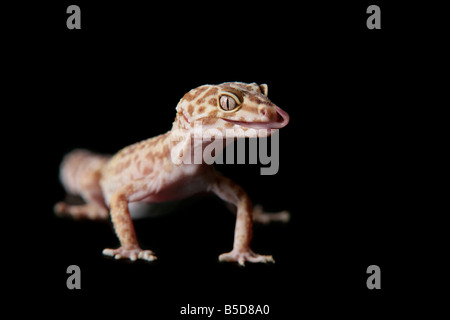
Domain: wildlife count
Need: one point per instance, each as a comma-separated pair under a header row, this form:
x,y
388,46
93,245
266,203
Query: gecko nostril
x,y
280,118
263,112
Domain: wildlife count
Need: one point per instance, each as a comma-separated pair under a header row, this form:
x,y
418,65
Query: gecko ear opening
x,y
264,89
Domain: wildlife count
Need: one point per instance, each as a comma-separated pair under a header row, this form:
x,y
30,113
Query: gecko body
x,y
158,169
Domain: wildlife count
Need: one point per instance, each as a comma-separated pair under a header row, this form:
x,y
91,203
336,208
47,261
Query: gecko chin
x,y
282,121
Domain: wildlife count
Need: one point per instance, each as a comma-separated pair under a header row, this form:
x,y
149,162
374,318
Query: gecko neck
x,y
196,148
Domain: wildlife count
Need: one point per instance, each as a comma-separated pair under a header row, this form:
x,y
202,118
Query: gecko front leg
x,y
229,191
123,225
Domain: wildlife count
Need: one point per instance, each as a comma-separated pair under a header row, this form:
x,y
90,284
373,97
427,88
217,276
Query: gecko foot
x,y
132,253
241,256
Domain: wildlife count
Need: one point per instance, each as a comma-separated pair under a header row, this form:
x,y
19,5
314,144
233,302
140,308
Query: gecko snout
x,y
283,119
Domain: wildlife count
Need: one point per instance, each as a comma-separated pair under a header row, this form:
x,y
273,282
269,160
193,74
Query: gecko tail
x,y
80,170
80,173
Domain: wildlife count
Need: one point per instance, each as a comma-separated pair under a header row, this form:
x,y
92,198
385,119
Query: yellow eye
x,y
228,103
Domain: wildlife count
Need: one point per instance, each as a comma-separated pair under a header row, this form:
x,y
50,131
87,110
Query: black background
x,y
346,157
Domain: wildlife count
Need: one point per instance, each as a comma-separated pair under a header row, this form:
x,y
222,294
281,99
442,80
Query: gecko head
x,y
231,109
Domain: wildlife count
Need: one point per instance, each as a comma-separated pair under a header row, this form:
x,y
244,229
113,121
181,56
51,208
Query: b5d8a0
x,y
244,309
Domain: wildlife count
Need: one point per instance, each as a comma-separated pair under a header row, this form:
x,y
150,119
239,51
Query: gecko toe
x,y
147,255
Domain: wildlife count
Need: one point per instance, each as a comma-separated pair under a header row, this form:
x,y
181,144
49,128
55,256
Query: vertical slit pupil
x,y
227,103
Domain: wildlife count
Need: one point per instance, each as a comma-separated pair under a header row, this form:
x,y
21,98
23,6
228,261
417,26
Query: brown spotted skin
x,y
154,170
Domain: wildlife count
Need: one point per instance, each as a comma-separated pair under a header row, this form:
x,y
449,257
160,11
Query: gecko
x,y
155,170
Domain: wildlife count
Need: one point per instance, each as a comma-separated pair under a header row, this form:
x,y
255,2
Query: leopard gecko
x,y
155,170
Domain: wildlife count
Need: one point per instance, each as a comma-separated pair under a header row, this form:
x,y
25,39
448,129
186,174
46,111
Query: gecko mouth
x,y
282,121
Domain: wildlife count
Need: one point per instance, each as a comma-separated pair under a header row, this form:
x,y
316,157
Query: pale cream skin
x,y
155,170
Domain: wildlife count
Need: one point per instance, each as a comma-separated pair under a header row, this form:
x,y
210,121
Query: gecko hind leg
x,y
91,211
260,216
263,217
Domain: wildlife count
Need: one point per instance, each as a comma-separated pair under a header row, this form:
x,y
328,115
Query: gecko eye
x,y
227,103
